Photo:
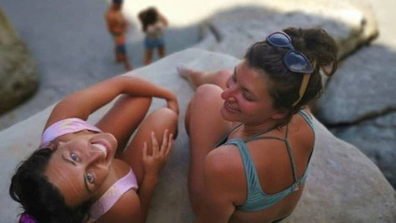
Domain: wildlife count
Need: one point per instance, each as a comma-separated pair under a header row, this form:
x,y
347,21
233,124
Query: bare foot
x,y
190,75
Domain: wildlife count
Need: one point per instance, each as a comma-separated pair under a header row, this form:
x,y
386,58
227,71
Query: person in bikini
x,y
90,173
117,26
251,131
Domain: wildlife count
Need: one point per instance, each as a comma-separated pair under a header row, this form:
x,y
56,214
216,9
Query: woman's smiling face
x,y
79,166
247,98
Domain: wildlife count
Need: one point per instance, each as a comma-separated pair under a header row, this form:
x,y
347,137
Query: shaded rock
x,y
377,139
363,87
18,75
232,31
343,186
359,104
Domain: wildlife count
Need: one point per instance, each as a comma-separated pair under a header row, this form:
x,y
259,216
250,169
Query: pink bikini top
x,y
108,199
111,196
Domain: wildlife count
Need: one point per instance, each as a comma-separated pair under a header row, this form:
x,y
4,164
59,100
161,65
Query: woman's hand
x,y
154,163
173,104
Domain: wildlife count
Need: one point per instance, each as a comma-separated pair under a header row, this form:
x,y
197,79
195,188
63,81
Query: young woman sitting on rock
x,y
251,133
81,172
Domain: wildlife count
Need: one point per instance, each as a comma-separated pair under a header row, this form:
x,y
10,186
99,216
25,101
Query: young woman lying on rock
x,y
251,133
89,173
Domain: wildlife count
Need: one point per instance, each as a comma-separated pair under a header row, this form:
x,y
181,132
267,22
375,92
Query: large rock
x,y
359,104
377,139
231,31
343,186
18,75
370,88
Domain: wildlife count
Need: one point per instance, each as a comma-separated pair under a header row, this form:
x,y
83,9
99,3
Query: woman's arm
x,y
217,203
153,165
82,103
163,19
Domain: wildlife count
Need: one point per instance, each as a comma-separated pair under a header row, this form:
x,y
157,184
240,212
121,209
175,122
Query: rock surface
x,y
359,105
343,186
371,88
232,31
376,138
18,75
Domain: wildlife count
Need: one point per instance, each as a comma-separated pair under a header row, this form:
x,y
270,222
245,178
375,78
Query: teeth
x,y
231,106
101,148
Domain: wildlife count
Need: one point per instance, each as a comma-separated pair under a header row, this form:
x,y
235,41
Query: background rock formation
x,y
18,75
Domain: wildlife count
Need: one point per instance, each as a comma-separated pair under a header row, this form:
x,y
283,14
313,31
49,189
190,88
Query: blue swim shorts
x,y
151,43
121,49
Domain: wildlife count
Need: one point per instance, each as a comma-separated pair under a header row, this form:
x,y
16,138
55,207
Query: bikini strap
x,y
297,182
257,135
307,118
228,134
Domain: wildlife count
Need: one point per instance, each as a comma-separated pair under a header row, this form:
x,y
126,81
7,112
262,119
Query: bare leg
x,y
161,51
117,56
203,111
157,121
125,60
148,55
123,119
198,78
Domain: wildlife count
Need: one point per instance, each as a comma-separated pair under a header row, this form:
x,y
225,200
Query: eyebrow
x,y
243,88
84,179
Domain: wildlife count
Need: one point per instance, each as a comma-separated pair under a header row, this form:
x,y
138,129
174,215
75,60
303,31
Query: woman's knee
x,y
204,96
207,93
161,119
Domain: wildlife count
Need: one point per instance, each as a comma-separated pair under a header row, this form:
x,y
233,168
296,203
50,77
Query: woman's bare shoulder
x,y
224,160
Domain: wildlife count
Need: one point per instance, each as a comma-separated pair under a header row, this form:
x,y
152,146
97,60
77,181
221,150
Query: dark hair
x,y
39,198
148,17
321,50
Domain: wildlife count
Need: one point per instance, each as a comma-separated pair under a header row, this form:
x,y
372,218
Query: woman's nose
x,y
228,94
93,156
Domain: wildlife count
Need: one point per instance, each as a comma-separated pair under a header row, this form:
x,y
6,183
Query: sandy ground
x,y
73,50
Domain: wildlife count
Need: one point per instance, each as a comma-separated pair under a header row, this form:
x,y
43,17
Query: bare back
x,y
273,167
116,22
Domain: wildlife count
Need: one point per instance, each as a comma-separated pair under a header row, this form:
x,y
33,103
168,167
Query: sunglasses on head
x,y
294,61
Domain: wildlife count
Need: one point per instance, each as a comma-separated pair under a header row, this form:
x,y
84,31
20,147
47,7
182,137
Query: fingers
x,y
160,151
164,142
155,144
169,147
144,154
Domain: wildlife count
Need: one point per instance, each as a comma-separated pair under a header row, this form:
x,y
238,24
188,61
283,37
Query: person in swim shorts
x,y
117,27
153,24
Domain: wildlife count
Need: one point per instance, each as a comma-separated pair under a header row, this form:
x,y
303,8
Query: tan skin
x,y
83,172
217,181
117,24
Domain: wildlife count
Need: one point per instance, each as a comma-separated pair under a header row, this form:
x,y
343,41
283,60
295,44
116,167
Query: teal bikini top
x,y
257,199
